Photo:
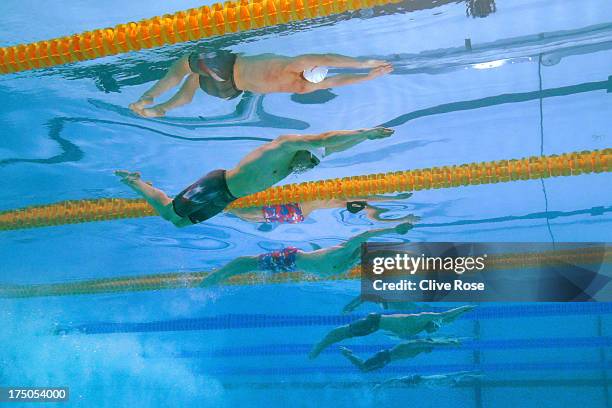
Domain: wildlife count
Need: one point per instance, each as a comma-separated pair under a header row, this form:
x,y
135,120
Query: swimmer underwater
x,y
259,170
406,349
322,262
401,325
226,75
294,213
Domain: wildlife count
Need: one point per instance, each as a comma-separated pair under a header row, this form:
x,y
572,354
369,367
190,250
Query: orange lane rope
x,y
179,280
568,164
182,26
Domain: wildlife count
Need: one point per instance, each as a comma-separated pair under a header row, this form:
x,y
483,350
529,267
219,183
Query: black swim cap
x,y
355,206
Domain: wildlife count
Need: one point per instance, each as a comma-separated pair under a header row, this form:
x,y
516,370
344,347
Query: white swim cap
x,y
315,74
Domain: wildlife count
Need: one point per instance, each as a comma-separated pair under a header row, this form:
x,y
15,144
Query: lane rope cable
x,y
187,25
491,172
182,280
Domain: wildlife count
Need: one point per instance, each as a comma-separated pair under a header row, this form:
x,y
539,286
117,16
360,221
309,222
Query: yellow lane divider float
x,y
569,164
588,255
188,25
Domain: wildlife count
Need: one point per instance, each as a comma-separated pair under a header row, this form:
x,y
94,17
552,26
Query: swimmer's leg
x,y
356,361
160,202
376,362
334,336
358,328
182,97
352,305
173,77
243,264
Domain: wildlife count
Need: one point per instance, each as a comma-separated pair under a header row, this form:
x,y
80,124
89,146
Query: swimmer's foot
x,y
140,104
153,112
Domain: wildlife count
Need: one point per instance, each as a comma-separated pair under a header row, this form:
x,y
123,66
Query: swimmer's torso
x,y
258,214
406,325
261,169
268,73
323,262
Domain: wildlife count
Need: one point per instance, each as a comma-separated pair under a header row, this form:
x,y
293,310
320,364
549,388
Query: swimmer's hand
x,y
345,351
373,63
130,177
379,133
380,71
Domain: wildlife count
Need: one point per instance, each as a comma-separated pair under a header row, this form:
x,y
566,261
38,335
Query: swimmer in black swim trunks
x,y
323,262
407,349
225,75
261,169
402,325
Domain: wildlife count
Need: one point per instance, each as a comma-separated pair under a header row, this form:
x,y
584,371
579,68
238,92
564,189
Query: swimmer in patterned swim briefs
x,y
294,213
323,262
401,325
225,75
261,169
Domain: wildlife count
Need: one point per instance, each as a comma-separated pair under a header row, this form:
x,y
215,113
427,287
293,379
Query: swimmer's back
x,y
267,73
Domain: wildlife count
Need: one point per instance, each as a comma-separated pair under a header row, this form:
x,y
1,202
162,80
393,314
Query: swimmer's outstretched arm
x,y
307,61
349,79
406,381
354,243
381,197
412,348
449,316
238,266
463,376
333,141
375,213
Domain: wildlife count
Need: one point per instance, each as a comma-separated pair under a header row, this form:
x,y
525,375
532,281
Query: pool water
x,y
533,77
